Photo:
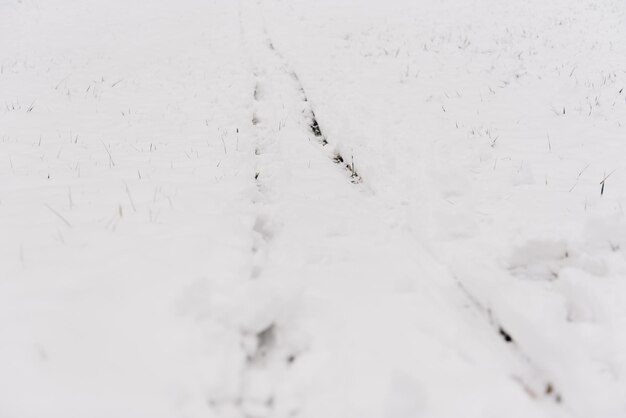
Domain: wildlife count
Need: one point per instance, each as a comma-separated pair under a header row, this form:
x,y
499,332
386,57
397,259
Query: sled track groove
x,y
541,388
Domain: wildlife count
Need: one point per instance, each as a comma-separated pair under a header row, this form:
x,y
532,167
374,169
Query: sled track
x,y
279,98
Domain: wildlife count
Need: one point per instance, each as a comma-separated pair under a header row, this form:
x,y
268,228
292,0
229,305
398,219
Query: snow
x,y
281,208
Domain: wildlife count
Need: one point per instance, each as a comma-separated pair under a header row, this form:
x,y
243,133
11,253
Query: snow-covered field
x,y
288,208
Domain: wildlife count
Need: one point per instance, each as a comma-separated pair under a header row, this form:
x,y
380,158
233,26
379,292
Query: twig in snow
x,y
223,142
111,162
579,174
603,182
65,221
130,198
61,82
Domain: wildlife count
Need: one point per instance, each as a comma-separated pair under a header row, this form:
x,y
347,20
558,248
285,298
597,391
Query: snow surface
x,y
338,209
